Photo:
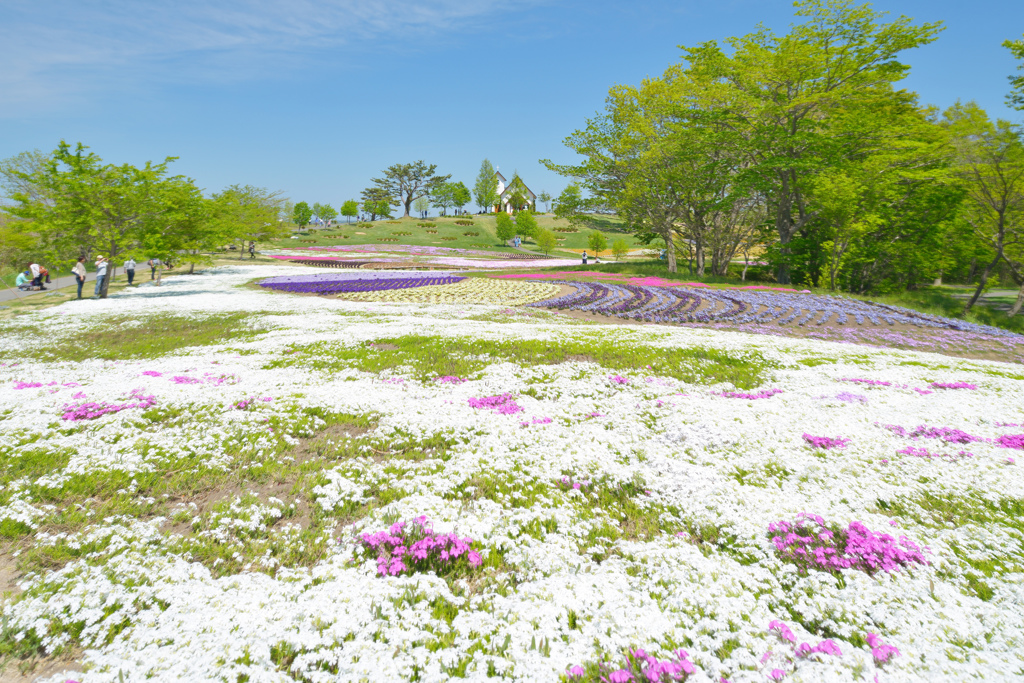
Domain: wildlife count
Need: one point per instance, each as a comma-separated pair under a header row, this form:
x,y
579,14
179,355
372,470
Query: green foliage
x,y
1016,97
619,248
485,189
597,242
302,214
526,224
546,240
324,212
408,182
377,202
350,208
504,228
461,195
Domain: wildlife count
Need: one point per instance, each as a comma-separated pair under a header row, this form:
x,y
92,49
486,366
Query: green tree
x,y
248,213
377,202
422,204
989,158
349,209
597,242
504,228
545,198
83,206
444,196
485,189
774,97
571,206
526,224
546,240
1016,97
516,194
461,195
302,214
324,212
619,248
408,182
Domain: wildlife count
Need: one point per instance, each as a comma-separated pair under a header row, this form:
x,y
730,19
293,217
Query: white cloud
x,y
54,52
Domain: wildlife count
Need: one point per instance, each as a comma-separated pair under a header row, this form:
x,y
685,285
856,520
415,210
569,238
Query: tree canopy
x,y
405,183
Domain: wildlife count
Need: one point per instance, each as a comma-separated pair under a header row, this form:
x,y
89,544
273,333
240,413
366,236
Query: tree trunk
x,y
408,205
670,251
973,271
981,285
191,267
1019,302
938,280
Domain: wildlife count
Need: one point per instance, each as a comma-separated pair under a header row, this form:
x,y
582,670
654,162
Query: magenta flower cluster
x,y
415,547
953,385
1015,441
246,402
503,404
536,421
566,483
638,666
27,385
812,544
449,379
76,412
764,393
826,442
618,379
825,647
925,453
947,434
868,382
880,650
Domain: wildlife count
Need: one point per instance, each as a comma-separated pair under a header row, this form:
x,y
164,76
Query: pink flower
x,y
777,674
620,676
575,672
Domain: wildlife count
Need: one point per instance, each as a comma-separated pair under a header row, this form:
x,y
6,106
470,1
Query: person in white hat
x,y
101,274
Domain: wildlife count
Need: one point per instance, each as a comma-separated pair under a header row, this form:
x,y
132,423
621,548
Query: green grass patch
x,y
429,357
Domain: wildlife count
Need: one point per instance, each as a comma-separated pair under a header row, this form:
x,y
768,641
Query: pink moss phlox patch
x,y
152,373
76,412
638,665
1015,441
826,442
764,393
406,548
566,483
953,385
536,421
449,379
924,453
947,434
783,631
812,544
246,402
881,651
182,379
867,382
503,404
618,379
27,385
849,397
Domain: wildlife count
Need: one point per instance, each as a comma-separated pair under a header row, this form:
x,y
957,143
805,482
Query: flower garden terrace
x,y
211,480
612,298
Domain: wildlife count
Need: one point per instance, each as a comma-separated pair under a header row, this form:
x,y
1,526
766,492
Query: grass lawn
x,y
446,233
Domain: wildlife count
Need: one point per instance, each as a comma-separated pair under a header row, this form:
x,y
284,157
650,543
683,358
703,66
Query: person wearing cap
x,y
101,274
24,281
79,272
129,269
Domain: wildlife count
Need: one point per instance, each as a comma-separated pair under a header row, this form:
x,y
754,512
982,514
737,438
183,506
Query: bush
x,y
401,232
619,248
462,222
432,232
449,239
597,242
471,233
429,225
396,222
546,240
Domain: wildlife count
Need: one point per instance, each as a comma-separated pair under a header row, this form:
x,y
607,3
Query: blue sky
x,y
315,98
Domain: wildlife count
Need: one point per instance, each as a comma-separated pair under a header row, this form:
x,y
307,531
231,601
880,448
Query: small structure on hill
x,y
514,195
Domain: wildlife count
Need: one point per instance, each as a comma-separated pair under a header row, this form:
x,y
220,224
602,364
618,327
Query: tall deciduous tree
x,y
546,240
989,158
526,224
377,202
83,206
421,205
444,196
250,214
1016,97
461,195
504,228
325,212
302,214
485,189
408,182
597,242
545,198
774,96
349,209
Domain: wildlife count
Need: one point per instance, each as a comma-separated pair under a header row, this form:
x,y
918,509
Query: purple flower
x,y
826,442
880,650
575,672
1015,441
953,385
503,404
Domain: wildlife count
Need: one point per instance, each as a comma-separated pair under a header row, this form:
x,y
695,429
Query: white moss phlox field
x,y
557,589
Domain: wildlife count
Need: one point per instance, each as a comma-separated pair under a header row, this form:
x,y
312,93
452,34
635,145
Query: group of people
x,y
36,277
33,278
597,259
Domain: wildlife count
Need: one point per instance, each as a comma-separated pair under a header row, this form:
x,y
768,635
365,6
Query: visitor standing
x,y
252,250
79,272
129,267
158,266
101,275
584,258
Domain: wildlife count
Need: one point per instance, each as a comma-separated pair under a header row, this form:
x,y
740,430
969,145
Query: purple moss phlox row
x,y
345,286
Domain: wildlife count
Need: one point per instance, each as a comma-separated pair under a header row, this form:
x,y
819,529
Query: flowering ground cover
x,y
338,489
